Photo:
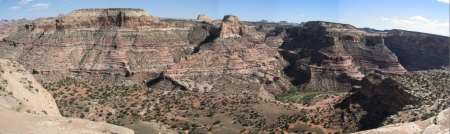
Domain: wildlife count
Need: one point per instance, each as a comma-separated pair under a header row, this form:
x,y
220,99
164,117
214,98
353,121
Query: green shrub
x,y
17,108
427,115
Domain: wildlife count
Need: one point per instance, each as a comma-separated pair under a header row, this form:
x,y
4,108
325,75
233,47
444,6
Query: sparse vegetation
x,y
187,109
17,108
299,95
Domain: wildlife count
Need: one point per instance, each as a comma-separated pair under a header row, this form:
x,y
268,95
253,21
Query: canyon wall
x,y
129,46
98,43
418,51
335,56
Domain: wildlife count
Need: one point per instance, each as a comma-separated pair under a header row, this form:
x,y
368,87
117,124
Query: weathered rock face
x,y
26,107
234,57
390,99
112,45
21,92
96,18
227,62
232,27
435,125
388,90
99,42
377,99
418,51
332,56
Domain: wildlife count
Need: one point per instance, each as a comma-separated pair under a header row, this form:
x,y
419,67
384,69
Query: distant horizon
x,y
427,16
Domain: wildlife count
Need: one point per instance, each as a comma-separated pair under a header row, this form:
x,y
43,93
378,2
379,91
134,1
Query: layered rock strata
x,y
418,51
233,57
96,42
333,56
114,45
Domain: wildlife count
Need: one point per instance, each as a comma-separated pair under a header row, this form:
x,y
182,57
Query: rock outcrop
x,y
392,99
21,92
232,26
26,107
14,122
388,90
96,18
377,99
435,125
203,18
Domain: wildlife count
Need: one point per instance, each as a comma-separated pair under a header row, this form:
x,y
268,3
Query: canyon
x,y
125,47
102,44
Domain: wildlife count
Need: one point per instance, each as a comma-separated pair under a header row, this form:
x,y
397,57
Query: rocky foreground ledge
x,y
26,107
439,124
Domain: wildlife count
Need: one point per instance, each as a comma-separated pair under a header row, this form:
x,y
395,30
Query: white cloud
x,y
445,1
40,6
419,18
14,8
419,23
23,2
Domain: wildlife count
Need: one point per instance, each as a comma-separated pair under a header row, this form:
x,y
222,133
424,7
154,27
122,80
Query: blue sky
x,y
431,16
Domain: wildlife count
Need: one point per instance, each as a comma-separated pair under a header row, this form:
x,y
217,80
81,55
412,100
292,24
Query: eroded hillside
x,y
26,107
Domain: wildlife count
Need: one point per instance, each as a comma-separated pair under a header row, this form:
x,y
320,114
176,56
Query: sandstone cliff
x,y
99,42
333,56
26,107
233,57
388,90
117,45
113,45
418,51
96,18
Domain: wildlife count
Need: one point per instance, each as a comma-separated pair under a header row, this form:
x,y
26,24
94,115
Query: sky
x,y
429,16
